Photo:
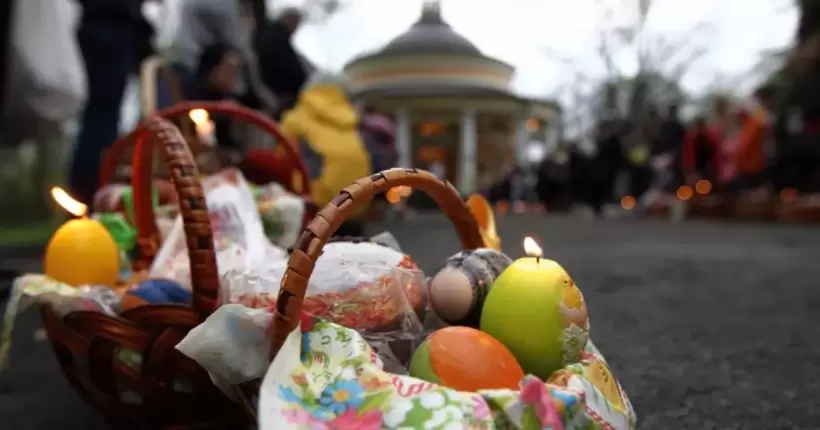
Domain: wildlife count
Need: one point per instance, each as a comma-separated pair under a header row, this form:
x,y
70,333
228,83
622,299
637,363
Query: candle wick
x,y
537,260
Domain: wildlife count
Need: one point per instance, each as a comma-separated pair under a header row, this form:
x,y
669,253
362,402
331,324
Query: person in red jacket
x,y
701,152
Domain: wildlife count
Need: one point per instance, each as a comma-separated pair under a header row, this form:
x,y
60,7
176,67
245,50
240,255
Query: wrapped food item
x,y
359,284
64,299
119,198
282,213
237,229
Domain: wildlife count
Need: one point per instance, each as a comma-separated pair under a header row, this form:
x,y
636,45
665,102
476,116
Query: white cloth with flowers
x,y
328,377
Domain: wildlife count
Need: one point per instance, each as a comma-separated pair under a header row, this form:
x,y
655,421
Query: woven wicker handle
x,y
142,166
185,177
235,110
327,221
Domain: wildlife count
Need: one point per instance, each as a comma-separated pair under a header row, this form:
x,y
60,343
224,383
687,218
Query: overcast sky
x,y
522,32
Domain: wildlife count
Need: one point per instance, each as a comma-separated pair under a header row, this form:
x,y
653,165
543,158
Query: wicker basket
x,y
114,157
158,387
309,246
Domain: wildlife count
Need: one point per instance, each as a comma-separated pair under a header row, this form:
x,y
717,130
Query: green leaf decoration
x,y
375,401
530,421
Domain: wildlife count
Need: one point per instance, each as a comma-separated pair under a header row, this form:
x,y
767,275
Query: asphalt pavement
x,y
707,325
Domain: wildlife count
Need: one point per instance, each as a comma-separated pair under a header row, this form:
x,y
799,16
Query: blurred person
x,y
379,135
605,164
281,67
217,75
325,124
206,23
646,138
797,128
670,145
699,155
113,37
749,155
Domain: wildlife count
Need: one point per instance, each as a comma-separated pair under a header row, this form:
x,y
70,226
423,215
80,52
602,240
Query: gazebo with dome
x,y
450,102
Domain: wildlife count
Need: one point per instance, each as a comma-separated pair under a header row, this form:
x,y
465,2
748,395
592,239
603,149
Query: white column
x,y
403,142
468,165
522,137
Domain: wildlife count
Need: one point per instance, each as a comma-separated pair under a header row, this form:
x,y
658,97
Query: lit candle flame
x,y
67,202
199,116
531,248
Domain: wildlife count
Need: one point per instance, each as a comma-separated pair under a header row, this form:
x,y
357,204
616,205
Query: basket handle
x,y
327,221
114,153
162,134
142,165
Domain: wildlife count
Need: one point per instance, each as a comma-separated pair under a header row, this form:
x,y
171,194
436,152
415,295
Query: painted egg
x,y
155,292
458,290
465,359
537,311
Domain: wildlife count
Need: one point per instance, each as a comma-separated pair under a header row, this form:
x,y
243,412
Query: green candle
x,y
536,310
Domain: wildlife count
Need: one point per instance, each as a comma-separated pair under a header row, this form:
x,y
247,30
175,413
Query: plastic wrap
x,y
282,214
237,230
375,289
363,285
63,298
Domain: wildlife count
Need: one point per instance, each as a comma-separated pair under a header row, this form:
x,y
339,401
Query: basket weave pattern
x,y
319,231
127,365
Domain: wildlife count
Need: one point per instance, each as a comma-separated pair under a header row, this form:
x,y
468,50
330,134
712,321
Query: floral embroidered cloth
x,y
327,377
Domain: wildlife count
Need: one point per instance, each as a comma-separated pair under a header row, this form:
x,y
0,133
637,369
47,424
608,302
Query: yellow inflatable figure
x,y
324,124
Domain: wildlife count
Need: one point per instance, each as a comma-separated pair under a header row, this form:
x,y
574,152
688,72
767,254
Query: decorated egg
x,y
155,292
465,359
458,290
537,311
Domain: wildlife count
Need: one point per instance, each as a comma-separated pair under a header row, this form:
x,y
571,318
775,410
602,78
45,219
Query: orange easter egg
x,y
465,359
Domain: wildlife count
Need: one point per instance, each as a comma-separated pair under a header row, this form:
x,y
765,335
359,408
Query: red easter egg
x,y
466,359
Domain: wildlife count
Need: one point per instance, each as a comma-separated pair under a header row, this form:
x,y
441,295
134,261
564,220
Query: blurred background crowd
x,y
618,142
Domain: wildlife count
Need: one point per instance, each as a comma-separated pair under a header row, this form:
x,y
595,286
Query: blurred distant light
x,y
685,192
502,207
533,125
788,195
628,202
536,152
703,187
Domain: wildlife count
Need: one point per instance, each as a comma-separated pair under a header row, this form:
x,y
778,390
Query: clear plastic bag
x,y
63,298
364,285
237,229
282,214
367,286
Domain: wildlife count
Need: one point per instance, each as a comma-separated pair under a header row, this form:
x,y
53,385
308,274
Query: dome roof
x,y
430,35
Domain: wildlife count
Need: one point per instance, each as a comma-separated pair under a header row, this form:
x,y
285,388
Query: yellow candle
x,y
536,310
81,251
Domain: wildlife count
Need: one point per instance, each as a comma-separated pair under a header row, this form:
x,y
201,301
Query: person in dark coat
x,y
113,37
282,69
670,144
217,73
606,164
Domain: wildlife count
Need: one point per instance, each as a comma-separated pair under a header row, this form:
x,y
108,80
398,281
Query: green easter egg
x,y
420,365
